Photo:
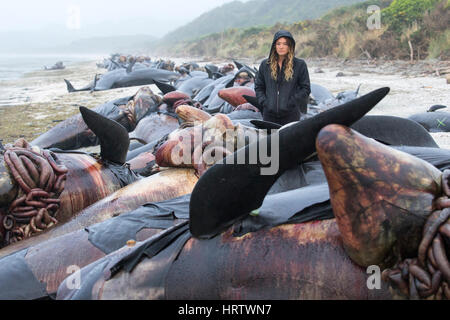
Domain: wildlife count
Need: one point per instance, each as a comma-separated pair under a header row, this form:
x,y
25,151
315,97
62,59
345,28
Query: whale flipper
x,y
436,107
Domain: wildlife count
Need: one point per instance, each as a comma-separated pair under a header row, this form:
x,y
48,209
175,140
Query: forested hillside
x,y
239,14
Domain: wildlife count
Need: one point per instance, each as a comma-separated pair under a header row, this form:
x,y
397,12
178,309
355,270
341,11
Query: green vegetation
x,y
410,29
403,13
420,26
237,14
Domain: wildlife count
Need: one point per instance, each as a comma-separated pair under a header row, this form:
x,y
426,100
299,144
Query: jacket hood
x,y
278,35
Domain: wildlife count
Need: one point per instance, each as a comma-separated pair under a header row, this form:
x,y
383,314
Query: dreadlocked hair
x,y
289,63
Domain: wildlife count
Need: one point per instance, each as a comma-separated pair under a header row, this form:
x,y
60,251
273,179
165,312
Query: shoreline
x,y
43,100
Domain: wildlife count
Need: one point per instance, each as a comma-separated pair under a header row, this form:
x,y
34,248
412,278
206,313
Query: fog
x,y
44,24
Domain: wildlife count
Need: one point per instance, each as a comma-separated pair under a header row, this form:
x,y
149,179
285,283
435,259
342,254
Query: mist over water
x,y
14,66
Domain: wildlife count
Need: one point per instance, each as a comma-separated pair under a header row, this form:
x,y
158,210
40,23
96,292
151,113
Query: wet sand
x,y
37,101
414,87
31,105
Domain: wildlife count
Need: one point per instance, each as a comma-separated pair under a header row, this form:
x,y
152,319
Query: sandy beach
x,y
39,100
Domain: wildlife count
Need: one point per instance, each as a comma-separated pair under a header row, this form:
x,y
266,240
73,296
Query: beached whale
x,y
298,260
40,189
316,260
120,78
323,99
433,121
73,133
57,66
194,83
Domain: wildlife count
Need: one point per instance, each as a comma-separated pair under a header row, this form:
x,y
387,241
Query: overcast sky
x,y
123,16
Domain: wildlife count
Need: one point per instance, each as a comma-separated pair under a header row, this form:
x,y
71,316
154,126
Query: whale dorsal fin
x,y
164,87
238,64
114,141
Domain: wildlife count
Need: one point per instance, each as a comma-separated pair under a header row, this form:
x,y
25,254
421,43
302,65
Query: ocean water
x,y
14,66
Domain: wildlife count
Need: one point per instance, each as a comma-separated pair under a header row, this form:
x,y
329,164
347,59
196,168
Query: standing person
x,y
282,84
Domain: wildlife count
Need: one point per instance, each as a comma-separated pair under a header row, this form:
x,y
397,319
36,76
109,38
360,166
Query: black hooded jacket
x,y
279,97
